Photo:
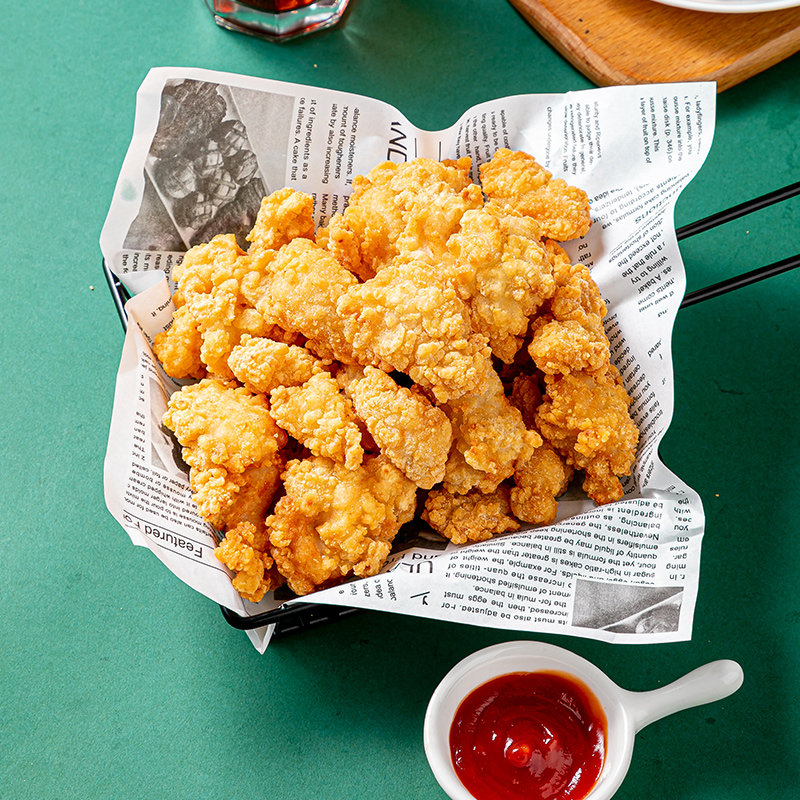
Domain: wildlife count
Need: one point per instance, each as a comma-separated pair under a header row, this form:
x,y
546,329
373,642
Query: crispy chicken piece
x,y
501,269
231,444
320,417
344,245
540,479
577,296
178,348
571,337
461,478
586,419
262,365
300,295
562,347
218,287
408,209
245,551
334,522
543,476
232,447
214,312
284,215
409,430
346,376
515,179
407,318
434,197
472,517
490,437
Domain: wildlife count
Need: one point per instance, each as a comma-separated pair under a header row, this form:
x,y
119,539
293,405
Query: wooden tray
x,y
641,41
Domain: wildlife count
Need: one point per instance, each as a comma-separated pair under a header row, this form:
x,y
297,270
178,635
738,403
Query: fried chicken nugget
x,y
300,295
229,441
540,479
490,436
472,517
214,312
526,395
542,476
218,284
515,179
409,430
343,243
410,319
461,478
232,446
586,419
561,347
178,348
320,417
346,376
245,551
571,337
501,269
577,297
409,209
284,215
262,365
334,522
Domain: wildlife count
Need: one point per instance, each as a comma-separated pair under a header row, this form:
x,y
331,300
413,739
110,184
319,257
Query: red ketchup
x,y
537,735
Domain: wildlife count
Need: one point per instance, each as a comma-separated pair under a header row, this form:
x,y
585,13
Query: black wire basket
x,y
300,616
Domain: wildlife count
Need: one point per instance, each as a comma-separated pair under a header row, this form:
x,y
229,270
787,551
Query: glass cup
x,y
277,20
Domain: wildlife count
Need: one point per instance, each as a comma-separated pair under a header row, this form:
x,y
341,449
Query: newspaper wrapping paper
x,y
207,146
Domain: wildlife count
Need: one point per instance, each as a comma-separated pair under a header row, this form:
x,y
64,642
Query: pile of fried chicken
x,y
434,336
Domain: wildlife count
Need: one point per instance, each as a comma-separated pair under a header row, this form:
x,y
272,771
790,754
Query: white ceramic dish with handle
x,y
626,712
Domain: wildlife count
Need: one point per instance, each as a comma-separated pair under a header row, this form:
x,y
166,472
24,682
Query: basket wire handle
x,y
741,210
720,218
738,281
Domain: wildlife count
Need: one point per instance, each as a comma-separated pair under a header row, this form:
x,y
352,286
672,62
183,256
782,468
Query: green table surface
x,y
116,680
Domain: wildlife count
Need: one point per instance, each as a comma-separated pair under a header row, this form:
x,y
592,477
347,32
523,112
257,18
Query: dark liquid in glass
x,y
276,6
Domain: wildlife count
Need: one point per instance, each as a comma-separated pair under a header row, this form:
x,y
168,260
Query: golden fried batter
x,y
515,179
245,551
577,296
501,269
571,337
320,417
562,347
178,348
408,209
304,285
412,433
231,444
262,365
232,447
526,395
489,438
334,522
210,279
284,216
540,479
344,245
586,419
407,318
472,517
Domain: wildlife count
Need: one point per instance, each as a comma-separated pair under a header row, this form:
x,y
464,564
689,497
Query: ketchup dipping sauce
x,y
529,735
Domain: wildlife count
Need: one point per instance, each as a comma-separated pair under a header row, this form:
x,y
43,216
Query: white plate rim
x,y
732,6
